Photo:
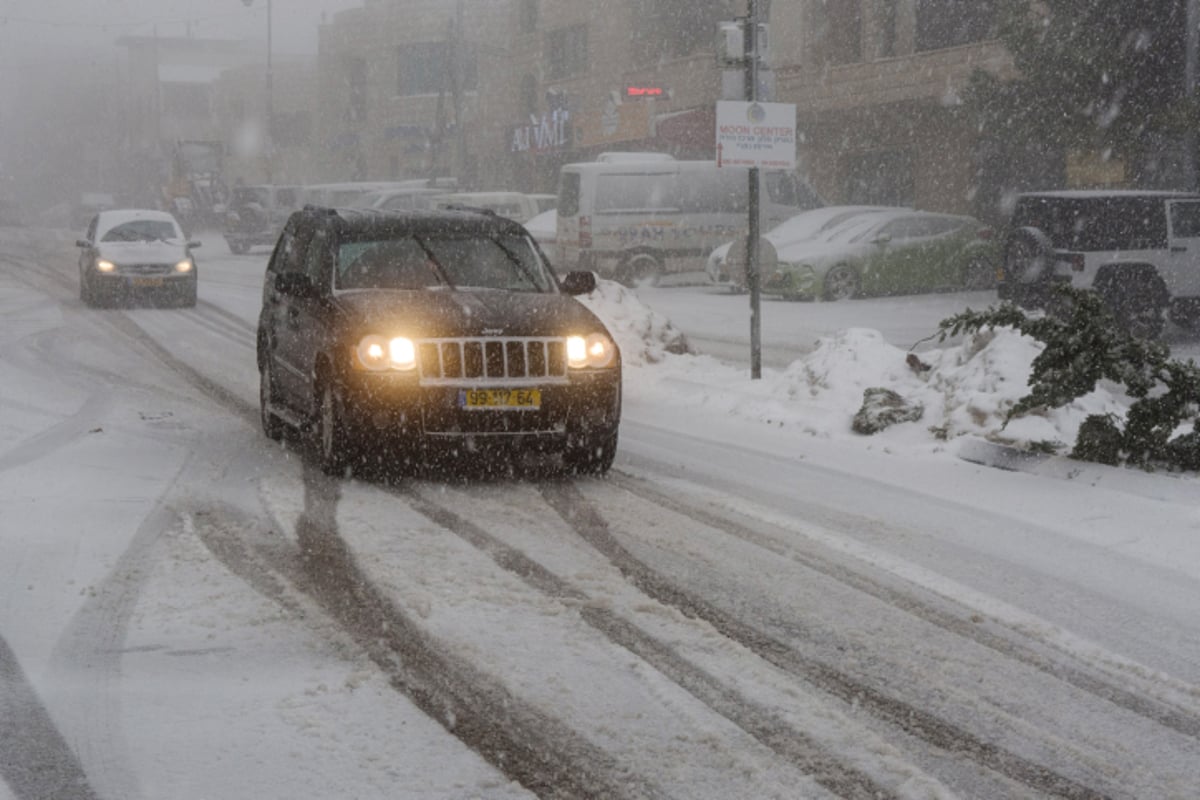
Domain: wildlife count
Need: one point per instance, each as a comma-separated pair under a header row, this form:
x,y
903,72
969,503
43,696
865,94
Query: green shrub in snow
x,y
1084,345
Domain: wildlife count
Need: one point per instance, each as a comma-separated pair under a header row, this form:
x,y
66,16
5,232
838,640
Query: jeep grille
x,y
492,361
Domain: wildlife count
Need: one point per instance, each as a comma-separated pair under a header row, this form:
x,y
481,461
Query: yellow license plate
x,y
500,398
146,283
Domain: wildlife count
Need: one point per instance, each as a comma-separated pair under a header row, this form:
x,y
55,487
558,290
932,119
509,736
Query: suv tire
x,y
594,456
333,443
1028,262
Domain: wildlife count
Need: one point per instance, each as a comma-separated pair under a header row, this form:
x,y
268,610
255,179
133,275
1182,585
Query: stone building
x,y
502,93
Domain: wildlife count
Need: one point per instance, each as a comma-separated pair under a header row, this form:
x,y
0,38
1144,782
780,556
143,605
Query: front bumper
x,y
116,284
392,406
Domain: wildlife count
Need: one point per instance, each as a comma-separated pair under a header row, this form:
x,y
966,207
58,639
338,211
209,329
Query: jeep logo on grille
x,y
493,331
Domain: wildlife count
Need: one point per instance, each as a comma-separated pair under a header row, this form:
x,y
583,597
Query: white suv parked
x,y
1139,249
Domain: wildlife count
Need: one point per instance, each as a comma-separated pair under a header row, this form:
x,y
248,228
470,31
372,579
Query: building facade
x,y
502,93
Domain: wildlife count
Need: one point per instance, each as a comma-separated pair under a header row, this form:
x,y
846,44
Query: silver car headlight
x,y
184,266
376,353
595,351
104,265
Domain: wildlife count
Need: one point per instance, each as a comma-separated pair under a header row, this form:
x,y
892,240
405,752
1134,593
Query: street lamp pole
x,y
269,138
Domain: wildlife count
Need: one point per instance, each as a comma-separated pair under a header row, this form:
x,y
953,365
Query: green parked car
x,y
890,252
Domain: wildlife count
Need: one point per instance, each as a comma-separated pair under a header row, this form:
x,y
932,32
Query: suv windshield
x,y
505,261
1096,223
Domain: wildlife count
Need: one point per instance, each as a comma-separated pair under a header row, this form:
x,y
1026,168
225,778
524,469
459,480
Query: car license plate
x,y
477,399
146,283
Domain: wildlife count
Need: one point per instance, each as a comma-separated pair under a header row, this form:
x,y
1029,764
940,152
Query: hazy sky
x,y
33,29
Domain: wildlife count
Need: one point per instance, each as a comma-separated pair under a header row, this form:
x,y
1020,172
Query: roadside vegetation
x,y
1084,345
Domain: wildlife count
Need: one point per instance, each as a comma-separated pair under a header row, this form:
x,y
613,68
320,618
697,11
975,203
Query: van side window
x,y
637,192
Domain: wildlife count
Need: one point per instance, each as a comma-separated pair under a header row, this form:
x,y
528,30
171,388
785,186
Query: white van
x,y
636,219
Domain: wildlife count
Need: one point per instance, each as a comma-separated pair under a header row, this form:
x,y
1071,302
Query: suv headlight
x,y
596,351
379,353
104,265
184,266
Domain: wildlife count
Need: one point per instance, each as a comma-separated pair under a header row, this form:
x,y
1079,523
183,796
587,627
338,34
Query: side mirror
x,y
579,282
294,284
82,243
194,245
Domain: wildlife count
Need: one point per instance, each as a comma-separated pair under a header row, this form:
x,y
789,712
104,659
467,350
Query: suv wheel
x,y
1028,267
594,456
333,443
272,425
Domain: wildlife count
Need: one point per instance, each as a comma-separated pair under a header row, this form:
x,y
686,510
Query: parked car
x,y
803,226
899,251
406,199
1140,250
346,193
255,215
136,252
443,335
516,206
545,202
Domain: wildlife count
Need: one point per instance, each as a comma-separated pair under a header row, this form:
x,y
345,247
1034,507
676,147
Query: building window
x,y
529,95
840,30
566,52
674,28
886,25
424,68
421,68
883,177
949,23
185,99
529,16
356,89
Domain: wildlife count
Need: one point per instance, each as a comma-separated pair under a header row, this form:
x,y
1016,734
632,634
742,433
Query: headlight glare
x,y
596,351
103,265
379,353
184,266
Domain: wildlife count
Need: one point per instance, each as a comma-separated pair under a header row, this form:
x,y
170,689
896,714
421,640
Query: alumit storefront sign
x,y
551,132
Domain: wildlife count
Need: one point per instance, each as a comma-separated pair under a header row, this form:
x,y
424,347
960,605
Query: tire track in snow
x,y
581,515
538,752
35,761
1162,713
761,723
86,662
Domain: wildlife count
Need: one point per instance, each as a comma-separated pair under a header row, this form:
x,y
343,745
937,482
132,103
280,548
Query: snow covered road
x,y
739,610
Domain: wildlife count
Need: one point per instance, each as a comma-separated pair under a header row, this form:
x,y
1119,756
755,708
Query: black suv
x,y
1139,250
443,334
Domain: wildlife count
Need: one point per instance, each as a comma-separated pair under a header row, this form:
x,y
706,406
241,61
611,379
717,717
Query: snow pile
x,y
644,336
966,388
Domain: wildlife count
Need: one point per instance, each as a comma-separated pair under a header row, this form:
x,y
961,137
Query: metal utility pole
x,y
752,276
1192,53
